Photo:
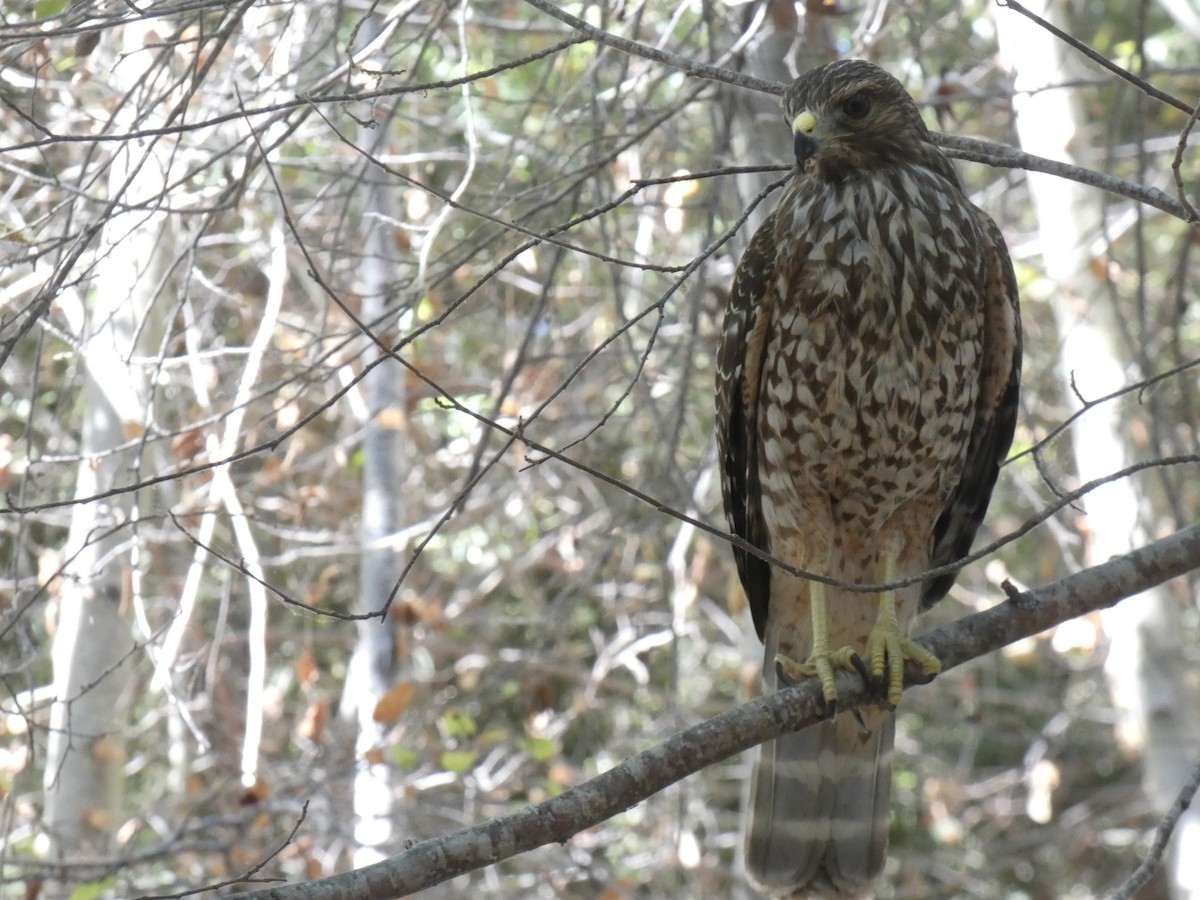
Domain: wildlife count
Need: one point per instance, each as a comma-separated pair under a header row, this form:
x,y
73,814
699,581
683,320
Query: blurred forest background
x,y
311,311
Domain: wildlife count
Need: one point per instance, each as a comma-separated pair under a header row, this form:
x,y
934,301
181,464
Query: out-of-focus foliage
x,y
552,622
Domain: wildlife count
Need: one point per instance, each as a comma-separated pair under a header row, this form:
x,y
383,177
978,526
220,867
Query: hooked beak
x,y
804,134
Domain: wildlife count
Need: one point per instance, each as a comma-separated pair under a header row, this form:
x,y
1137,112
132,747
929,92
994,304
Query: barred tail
x,y
819,806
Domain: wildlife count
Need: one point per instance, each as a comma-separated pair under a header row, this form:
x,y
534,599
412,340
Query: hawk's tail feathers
x,y
819,803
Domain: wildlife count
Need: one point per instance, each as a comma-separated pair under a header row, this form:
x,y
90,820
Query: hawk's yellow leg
x,y
821,663
888,646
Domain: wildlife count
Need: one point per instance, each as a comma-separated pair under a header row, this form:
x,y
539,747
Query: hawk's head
x,y
851,116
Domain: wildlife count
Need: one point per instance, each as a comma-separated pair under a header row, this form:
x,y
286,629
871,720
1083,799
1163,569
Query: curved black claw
x,y
863,670
875,686
782,675
917,675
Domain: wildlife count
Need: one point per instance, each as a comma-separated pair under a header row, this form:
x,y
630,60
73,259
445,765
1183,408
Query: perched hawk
x,y
866,393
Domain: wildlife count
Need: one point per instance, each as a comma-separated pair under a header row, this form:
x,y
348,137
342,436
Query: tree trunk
x,y
1144,651
373,664
93,645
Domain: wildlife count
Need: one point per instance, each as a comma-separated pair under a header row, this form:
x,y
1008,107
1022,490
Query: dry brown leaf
x,y
393,703
189,444
392,418
561,774
106,750
312,724
257,793
99,819
307,671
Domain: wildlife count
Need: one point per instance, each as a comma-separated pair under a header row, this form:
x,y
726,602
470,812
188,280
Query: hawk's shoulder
x,y
996,412
739,376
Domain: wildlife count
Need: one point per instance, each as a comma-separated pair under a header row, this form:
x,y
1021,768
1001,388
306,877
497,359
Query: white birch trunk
x,y
1144,656
93,644
373,664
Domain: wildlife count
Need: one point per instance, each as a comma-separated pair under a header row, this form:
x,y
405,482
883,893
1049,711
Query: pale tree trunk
x,y
372,668
93,645
1144,652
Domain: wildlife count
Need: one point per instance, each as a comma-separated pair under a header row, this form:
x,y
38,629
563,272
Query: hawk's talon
x,y
888,651
861,667
819,666
923,677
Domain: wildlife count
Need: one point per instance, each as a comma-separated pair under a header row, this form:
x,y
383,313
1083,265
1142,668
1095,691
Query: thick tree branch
x,y
558,819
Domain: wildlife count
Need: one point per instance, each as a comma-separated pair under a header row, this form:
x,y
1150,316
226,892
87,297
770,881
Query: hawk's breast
x,y
870,369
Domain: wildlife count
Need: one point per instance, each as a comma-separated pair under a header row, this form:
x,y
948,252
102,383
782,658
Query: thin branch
x,y
658,306
1003,157
249,875
1140,387
684,64
586,805
1177,165
241,568
1162,837
311,96
1124,74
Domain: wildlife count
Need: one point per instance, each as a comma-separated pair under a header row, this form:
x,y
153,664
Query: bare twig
x,y
584,806
1162,837
1177,165
1139,387
248,875
1003,157
1100,60
674,60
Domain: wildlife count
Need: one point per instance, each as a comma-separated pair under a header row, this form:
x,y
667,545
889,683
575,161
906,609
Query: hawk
x,y
867,384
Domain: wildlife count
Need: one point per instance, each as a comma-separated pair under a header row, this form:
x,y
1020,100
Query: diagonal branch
x,y
1001,156
558,819
1098,58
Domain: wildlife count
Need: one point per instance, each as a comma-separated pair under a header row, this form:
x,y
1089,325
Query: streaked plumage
x,y
866,396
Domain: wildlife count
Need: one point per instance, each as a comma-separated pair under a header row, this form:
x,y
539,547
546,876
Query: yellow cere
x,y
804,123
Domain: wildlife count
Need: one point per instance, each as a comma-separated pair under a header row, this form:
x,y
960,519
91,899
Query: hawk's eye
x,y
857,106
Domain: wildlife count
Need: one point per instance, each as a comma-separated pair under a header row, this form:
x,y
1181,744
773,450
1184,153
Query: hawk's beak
x,y
804,132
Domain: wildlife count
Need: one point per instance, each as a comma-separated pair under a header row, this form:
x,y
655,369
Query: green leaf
x,y
458,723
94,890
403,757
540,749
44,9
458,761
